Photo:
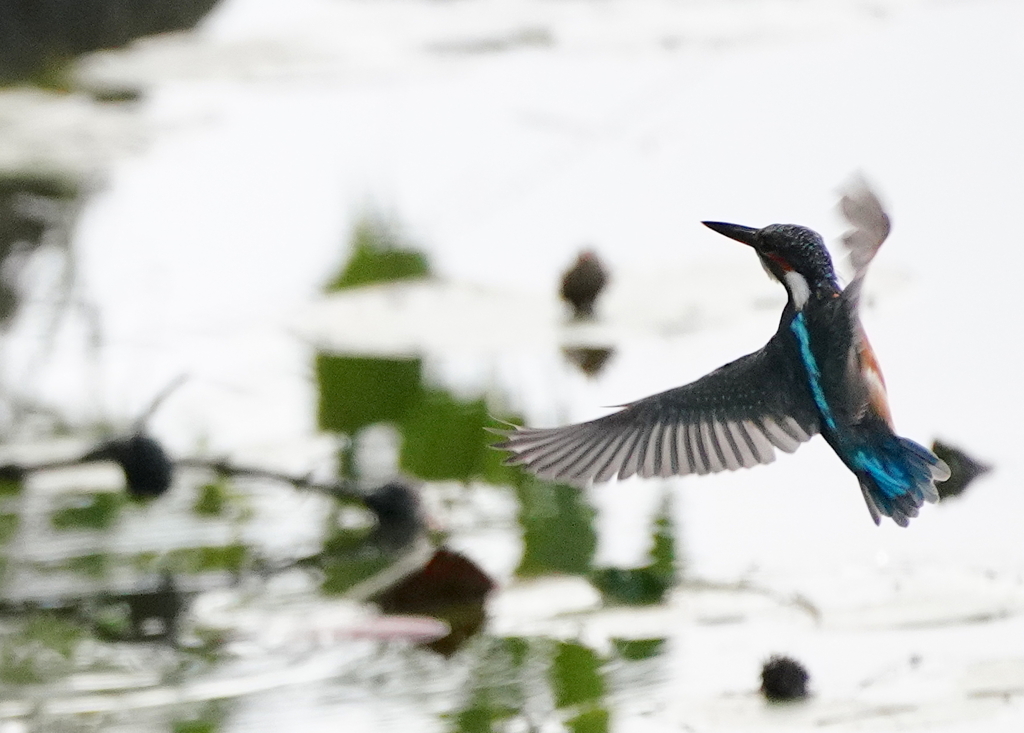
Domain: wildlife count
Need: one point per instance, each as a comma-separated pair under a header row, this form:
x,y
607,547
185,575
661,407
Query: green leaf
x,y
633,586
94,565
212,499
340,575
649,584
359,391
595,720
379,254
558,531
196,726
41,651
635,650
209,558
576,674
8,526
443,438
99,511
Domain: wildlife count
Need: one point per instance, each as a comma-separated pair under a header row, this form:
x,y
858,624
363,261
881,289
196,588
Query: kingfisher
x,y
817,374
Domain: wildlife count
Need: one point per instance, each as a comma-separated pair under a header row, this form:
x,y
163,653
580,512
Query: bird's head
x,y
794,255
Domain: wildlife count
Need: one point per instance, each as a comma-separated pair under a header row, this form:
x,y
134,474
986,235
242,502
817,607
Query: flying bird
x,y
817,374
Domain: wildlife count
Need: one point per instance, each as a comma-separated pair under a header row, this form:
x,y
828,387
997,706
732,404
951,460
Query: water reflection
x,y
144,614
591,360
99,594
35,210
449,587
38,212
86,568
533,682
558,530
648,584
41,650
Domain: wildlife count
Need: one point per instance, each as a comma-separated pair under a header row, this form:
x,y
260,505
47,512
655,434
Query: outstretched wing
x,y
732,418
863,210
861,207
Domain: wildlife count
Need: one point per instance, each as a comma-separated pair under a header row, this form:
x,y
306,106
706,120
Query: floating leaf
x,y
595,720
449,587
10,486
634,650
212,499
195,726
443,438
963,469
634,586
576,674
8,526
342,574
94,565
42,650
359,391
379,254
209,558
98,511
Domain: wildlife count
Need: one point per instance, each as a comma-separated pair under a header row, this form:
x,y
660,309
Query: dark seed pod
x,y
147,468
582,283
399,519
783,678
12,472
963,469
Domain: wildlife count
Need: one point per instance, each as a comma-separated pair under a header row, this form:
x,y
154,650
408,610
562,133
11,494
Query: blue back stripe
x,y
799,328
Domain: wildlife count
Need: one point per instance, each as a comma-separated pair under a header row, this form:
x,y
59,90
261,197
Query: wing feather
x,y
574,463
731,454
695,446
735,417
683,460
632,460
612,463
742,445
651,464
716,459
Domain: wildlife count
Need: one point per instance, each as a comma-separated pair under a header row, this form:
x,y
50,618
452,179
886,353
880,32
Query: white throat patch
x,y
798,288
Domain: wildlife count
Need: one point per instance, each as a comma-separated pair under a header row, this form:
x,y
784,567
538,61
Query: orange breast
x,y
878,399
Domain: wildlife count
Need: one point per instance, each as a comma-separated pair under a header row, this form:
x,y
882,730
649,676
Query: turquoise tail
x,y
897,476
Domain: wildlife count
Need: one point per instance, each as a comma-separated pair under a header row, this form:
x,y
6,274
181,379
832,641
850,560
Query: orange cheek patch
x,y
779,261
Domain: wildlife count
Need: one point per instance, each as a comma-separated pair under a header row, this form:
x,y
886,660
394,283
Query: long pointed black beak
x,y
747,235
